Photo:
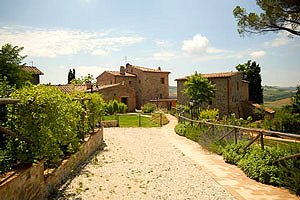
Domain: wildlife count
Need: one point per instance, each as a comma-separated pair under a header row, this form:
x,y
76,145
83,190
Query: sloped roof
x,y
33,70
108,86
69,88
213,75
145,69
117,73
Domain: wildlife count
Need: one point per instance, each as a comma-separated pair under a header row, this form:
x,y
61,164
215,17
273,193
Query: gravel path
x,y
140,163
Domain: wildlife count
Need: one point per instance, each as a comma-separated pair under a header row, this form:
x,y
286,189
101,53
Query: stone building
x,y
134,85
35,73
230,92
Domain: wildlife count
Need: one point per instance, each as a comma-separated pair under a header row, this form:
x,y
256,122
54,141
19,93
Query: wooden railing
x,y
255,133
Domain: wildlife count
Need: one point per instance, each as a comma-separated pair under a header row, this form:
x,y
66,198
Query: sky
x,y
180,36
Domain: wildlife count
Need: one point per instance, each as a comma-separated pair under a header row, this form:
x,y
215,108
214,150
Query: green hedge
x,y
49,124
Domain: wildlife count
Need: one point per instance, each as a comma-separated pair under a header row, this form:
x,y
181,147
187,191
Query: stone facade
x,y
229,92
147,84
121,93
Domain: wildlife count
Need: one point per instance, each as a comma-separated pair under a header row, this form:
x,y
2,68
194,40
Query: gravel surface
x,y
140,163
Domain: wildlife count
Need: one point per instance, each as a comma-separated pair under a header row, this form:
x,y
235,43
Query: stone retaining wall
x,y
31,183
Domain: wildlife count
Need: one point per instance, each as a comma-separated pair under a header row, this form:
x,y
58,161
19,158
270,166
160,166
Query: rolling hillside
x,y
271,93
274,93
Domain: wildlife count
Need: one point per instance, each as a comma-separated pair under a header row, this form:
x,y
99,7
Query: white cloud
x,y
163,55
55,42
162,43
100,52
282,39
199,45
257,54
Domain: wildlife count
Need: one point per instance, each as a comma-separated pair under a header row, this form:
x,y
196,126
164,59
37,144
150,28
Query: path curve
x,y
156,163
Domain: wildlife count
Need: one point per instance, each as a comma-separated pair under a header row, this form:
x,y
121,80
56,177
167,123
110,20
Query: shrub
x,y
48,119
149,108
258,164
209,114
180,129
114,106
233,153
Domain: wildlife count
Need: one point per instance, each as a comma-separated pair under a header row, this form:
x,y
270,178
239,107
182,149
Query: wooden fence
x,y
153,120
255,134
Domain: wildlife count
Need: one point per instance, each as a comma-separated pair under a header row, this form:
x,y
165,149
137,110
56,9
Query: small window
x,y
129,82
111,81
131,70
139,81
160,96
162,80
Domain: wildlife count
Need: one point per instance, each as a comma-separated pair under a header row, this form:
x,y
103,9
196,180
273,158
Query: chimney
x,y
159,69
88,85
122,70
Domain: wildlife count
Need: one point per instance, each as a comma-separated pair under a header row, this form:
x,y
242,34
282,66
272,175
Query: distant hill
x,y
271,93
274,93
173,91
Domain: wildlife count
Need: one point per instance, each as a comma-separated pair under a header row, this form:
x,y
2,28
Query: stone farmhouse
x,y
135,86
35,73
231,92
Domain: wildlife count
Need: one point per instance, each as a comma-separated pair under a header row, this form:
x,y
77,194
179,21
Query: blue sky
x,y
180,36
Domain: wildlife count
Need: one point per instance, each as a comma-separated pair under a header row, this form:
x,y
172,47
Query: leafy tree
x,y
11,65
84,79
277,15
252,74
296,101
199,89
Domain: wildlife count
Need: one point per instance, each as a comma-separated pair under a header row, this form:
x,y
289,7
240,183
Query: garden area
x,y
150,116
45,123
270,160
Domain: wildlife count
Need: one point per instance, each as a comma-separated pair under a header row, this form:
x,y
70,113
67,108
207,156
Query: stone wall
x,y
105,78
30,183
119,91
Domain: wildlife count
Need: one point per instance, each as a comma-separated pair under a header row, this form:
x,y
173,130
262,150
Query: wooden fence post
x,y
235,137
160,119
139,119
262,141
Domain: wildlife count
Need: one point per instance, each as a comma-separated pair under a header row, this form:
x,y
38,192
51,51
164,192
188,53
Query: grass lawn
x,y
132,120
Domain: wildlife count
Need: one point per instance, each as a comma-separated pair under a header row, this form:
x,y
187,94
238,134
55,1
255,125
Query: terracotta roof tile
x,y
33,70
69,88
149,69
117,73
213,75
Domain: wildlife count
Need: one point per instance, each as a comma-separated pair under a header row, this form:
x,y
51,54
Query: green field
x,y
132,120
274,93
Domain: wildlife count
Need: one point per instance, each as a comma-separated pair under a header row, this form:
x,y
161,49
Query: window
x,y
111,81
160,96
210,102
129,82
162,80
139,81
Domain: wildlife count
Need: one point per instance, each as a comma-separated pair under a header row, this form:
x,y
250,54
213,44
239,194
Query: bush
x,y
180,129
149,108
258,164
48,119
233,153
114,106
209,114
